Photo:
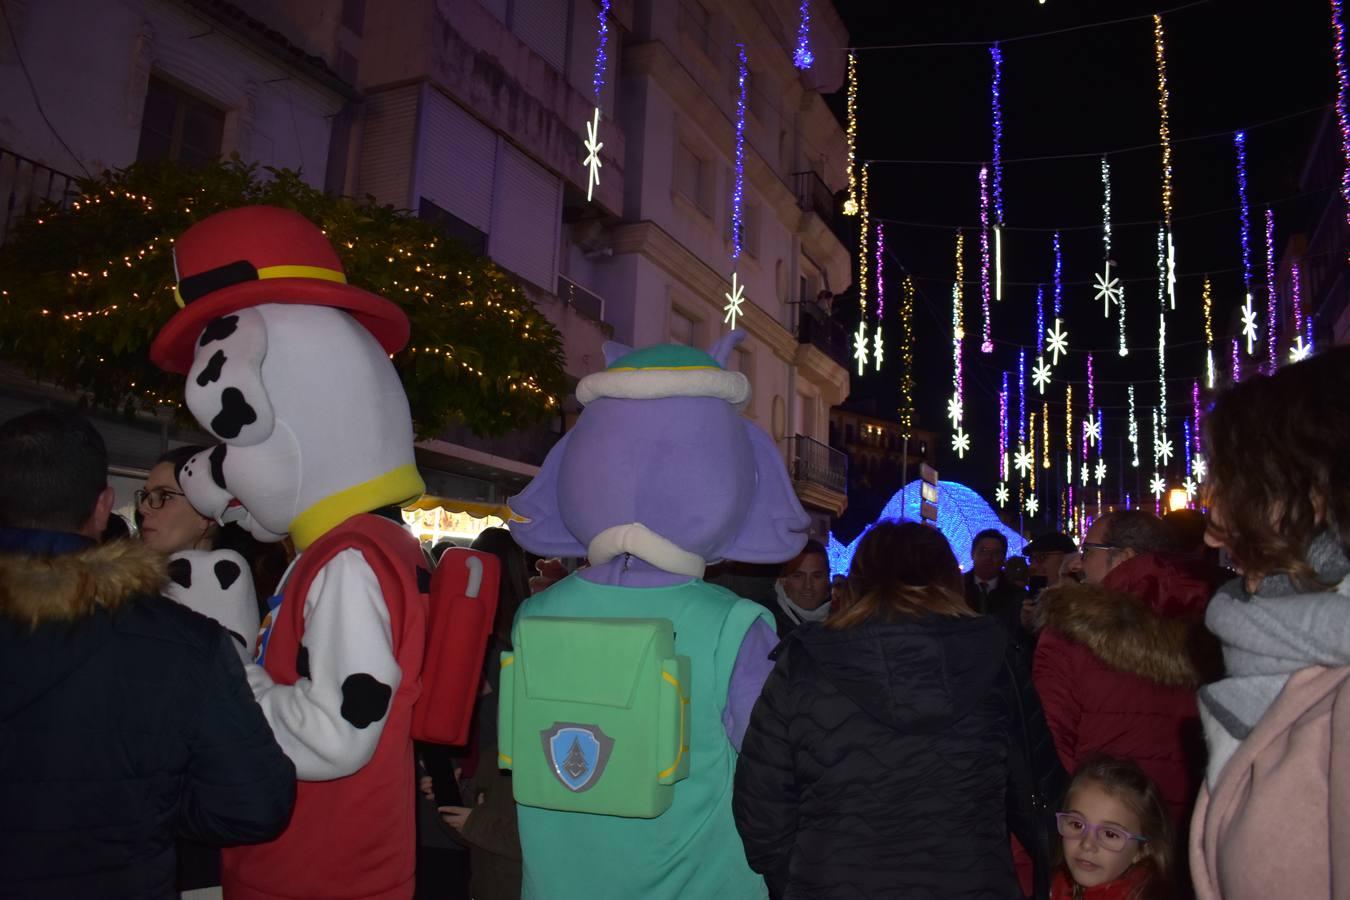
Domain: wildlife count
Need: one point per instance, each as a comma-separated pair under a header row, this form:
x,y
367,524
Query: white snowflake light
x,y
876,348
954,409
960,442
1157,486
1249,324
735,300
1101,471
1033,505
1086,472
1300,351
1200,468
1001,495
1171,272
860,347
592,161
1093,430
1190,487
1023,461
1057,341
1040,374
1165,450
1108,289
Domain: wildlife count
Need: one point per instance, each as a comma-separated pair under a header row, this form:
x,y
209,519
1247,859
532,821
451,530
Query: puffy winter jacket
x,y
875,764
125,721
1117,667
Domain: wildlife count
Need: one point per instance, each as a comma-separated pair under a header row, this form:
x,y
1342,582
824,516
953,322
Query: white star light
x,y
1249,324
1108,289
1086,472
735,299
876,348
1200,467
1101,471
954,409
860,348
1165,450
1157,486
1040,374
1023,461
1058,341
1171,273
960,442
1093,430
1033,505
1190,487
1001,495
1299,351
592,160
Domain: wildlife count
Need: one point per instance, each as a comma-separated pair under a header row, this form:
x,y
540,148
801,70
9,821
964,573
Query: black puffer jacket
x,y
875,764
125,721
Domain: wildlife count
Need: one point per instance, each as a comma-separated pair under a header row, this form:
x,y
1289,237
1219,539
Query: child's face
x,y
1089,862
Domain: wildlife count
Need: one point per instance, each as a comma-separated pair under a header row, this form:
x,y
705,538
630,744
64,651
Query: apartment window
x,y
693,177
750,232
683,329
178,126
452,226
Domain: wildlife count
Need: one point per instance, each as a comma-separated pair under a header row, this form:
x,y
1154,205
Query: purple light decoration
x,y
601,59
1003,428
1237,363
802,57
1021,396
738,192
881,282
1244,210
1195,412
997,103
1342,99
1298,299
1092,384
1059,279
1040,318
1186,428
1128,502
1272,350
987,345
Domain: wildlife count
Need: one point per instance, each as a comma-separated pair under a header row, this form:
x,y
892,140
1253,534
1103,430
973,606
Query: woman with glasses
x,y
1273,819
1115,835
168,523
875,763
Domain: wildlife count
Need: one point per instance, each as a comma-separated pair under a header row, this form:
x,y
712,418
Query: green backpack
x,y
594,715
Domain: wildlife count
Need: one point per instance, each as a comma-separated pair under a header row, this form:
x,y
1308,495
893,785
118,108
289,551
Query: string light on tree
x,y
592,144
802,57
1209,335
851,133
881,298
987,345
996,102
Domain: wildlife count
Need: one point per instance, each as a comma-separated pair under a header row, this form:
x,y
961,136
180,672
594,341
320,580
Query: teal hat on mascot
x,y
666,370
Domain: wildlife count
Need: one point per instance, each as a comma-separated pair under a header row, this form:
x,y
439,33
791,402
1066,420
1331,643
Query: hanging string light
x,y
1031,449
1244,208
1209,336
1124,350
1195,425
1040,318
860,346
1003,429
996,103
1045,434
1186,431
1134,432
1021,395
987,345
1301,348
1272,336
592,144
802,57
1237,362
1106,207
1162,326
956,404
907,357
851,132
1164,131
877,340
1342,100
736,296
1059,279
1068,438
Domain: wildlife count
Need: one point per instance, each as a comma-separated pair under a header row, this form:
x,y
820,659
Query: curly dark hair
x,y
1279,466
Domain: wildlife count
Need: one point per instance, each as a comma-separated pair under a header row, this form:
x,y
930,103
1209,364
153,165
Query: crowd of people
x,y
1161,711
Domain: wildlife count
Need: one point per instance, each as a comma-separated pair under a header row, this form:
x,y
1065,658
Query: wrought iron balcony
x,y
814,462
25,184
814,195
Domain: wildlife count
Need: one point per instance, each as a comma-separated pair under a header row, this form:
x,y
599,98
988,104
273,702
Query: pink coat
x,y
1277,823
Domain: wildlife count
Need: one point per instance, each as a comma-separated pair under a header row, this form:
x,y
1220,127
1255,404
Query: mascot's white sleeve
x,y
329,722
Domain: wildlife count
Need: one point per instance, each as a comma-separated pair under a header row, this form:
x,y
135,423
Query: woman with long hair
x,y
875,760
1273,819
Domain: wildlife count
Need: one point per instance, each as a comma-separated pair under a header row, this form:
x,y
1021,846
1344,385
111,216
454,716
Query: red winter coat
x,y
1117,666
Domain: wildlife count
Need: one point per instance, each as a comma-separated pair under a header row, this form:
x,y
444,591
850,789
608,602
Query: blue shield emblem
x,y
576,753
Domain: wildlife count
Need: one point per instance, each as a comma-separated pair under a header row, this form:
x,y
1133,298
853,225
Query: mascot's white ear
x,y
613,350
722,347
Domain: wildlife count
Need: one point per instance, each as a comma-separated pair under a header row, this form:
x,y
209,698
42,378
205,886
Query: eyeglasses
x,y
155,499
1086,548
1110,837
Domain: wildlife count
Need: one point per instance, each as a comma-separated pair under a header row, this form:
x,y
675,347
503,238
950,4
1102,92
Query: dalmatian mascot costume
x,y
289,366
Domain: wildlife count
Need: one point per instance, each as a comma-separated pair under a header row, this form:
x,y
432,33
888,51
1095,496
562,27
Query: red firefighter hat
x,y
262,254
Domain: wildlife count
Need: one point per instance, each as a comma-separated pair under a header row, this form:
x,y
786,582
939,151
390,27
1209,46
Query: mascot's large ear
x,y
721,349
544,534
775,525
613,350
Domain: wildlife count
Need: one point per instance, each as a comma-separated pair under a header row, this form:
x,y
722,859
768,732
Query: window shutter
x,y
387,147
526,216
457,161
542,25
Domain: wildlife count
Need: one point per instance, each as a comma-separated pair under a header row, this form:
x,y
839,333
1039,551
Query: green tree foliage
x,y
85,288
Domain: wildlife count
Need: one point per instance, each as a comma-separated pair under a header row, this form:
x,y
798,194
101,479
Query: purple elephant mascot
x,y
660,477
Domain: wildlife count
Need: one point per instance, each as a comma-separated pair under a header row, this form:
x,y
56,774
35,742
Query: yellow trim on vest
x,y
679,755
398,486
318,272
510,660
504,759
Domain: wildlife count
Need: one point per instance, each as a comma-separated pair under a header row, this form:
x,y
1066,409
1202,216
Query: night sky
x,y
925,121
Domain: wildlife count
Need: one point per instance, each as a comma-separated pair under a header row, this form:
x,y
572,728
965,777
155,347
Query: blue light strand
x,y
1342,98
1040,318
1272,301
1244,209
1059,280
1021,397
802,57
738,192
996,101
987,344
1186,426
601,59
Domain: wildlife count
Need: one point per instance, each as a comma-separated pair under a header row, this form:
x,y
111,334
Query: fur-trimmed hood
x,y
1128,635
69,587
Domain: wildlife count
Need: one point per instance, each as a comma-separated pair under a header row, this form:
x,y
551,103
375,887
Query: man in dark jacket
x,y
988,591
126,718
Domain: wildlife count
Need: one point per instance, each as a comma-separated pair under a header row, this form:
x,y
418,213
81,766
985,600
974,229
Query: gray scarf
x,y
1268,636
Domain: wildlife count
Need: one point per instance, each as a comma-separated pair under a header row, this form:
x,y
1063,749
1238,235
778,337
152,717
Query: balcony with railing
x,y
26,184
817,327
819,473
814,195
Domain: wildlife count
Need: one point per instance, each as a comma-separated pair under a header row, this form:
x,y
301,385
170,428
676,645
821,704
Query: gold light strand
x,y
851,204
862,246
1209,337
1164,132
1068,417
1031,439
907,353
1045,434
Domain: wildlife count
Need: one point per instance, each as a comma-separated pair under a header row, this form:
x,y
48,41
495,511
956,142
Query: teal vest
x,y
692,849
